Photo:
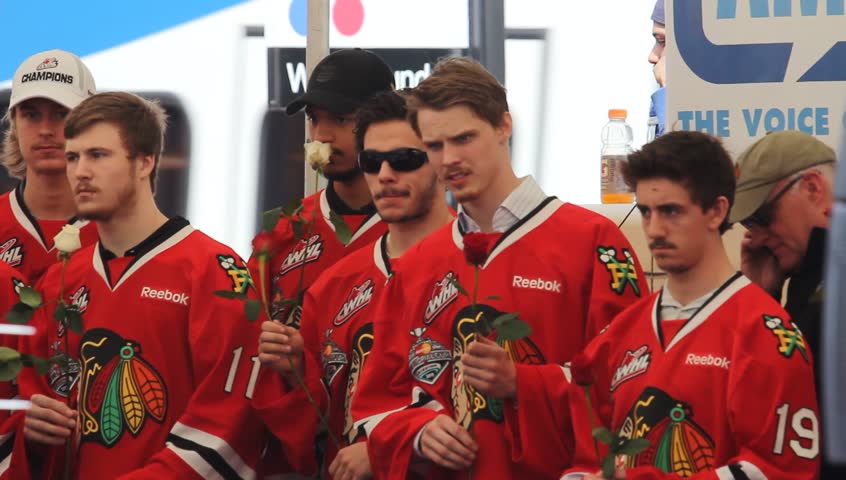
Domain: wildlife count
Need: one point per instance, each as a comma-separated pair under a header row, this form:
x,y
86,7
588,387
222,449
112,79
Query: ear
x,y
504,128
814,186
717,213
145,165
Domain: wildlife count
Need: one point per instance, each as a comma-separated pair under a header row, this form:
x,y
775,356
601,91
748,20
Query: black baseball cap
x,y
343,80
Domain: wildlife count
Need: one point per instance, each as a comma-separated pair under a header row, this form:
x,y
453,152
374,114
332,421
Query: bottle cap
x,y
617,113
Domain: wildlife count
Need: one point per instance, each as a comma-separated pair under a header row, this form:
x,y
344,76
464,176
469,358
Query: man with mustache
x,y
336,331
162,384
45,87
566,270
339,84
710,370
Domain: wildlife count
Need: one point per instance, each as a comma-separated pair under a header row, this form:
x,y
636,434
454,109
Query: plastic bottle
x,y
616,147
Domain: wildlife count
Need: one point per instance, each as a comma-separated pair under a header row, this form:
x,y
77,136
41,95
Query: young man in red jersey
x,y
336,333
546,263
45,87
162,383
339,84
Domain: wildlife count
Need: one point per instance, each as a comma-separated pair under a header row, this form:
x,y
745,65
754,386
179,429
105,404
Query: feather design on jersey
x,y
522,351
120,389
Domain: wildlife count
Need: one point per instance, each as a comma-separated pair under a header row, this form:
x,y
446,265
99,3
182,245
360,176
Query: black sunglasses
x,y
764,216
400,160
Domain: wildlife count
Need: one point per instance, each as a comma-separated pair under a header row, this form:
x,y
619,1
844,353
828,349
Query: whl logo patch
x,y
358,298
11,252
634,363
303,253
444,293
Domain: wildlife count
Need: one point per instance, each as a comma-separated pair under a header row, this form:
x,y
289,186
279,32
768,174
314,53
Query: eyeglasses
x,y
400,160
764,216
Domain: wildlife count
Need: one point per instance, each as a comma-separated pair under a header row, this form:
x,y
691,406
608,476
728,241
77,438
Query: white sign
x,y
738,69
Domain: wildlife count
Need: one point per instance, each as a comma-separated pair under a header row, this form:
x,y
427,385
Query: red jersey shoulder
x,y
347,268
762,320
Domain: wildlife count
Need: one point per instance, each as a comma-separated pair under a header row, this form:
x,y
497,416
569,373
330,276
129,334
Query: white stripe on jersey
x,y
417,394
204,439
750,470
7,460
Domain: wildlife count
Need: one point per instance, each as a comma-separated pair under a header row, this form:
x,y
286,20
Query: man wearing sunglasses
x,y
566,270
336,330
785,193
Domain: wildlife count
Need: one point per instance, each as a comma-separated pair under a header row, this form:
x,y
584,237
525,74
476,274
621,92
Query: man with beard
x,y
336,332
45,87
566,270
337,86
164,364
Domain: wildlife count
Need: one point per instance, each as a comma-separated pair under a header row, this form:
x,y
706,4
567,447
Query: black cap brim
x,y
331,101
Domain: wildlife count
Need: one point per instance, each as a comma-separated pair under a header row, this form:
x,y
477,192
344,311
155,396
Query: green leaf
x,y
632,447
74,321
493,297
11,364
513,330
292,208
252,308
603,435
608,466
61,360
19,314
59,313
505,318
297,225
230,294
30,297
269,219
454,282
342,230
41,365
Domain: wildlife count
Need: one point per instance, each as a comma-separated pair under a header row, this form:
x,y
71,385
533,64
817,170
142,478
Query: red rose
x,y
477,246
262,242
581,370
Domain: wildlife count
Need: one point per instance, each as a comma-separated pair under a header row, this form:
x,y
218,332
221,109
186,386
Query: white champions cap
x,y
55,75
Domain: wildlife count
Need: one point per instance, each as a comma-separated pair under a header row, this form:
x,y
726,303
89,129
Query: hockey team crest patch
x,y
303,253
622,270
427,358
443,293
79,299
362,344
11,252
677,444
119,389
634,363
239,274
790,340
333,359
358,298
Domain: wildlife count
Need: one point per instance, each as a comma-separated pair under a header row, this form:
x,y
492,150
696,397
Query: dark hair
x,y
382,107
695,160
459,81
141,123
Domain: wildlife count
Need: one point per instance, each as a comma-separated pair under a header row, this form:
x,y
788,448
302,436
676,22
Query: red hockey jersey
x,y
165,368
730,396
338,334
295,263
27,243
566,270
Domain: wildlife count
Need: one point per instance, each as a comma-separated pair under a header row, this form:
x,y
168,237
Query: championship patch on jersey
x,y
444,293
358,298
333,359
303,253
635,362
622,270
11,252
790,340
427,358
677,444
239,274
62,380
362,345
119,389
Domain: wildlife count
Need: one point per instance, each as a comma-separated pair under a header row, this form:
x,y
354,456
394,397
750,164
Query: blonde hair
x,y
11,156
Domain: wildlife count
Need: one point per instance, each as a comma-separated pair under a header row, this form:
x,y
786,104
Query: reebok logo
x,y
707,360
166,295
536,284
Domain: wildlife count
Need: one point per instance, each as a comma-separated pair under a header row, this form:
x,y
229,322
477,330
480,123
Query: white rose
x,y
67,241
317,154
